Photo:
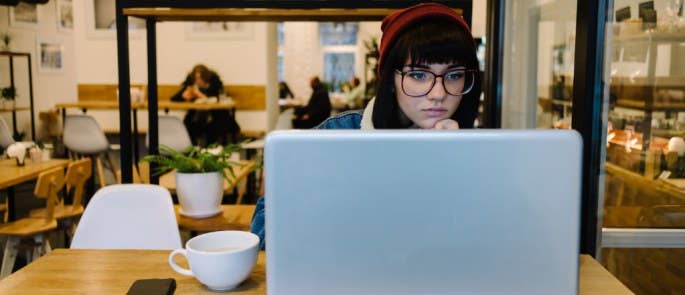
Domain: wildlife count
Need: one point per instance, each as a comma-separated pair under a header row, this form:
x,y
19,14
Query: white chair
x,y
128,216
83,136
172,133
5,135
285,119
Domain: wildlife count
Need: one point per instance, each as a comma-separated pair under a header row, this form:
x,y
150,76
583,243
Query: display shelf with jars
x,y
647,105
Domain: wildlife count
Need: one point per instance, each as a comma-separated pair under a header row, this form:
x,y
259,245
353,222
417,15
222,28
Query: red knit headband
x,y
395,23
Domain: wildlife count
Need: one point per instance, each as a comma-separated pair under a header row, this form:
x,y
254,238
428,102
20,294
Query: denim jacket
x,y
346,120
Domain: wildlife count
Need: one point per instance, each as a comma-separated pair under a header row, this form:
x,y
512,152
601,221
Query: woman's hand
x,y
188,94
447,124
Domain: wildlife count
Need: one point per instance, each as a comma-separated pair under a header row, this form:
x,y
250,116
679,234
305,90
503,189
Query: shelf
x,y
658,106
10,53
260,14
658,37
4,110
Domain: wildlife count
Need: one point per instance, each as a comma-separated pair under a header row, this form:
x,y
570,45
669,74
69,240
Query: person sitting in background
x,y
284,90
317,110
200,83
214,126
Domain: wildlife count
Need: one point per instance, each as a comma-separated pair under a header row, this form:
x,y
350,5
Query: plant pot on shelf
x,y
200,194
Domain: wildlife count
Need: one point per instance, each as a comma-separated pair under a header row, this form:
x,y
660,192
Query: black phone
x,y
153,287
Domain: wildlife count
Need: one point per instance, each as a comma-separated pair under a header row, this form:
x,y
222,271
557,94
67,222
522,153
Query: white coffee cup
x,y
220,260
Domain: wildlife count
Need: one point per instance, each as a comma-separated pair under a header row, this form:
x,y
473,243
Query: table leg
x,y
15,135
11,210
136,155
251,177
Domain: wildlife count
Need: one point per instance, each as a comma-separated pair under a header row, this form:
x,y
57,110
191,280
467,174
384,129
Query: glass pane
x,y
644,181
338,69
338,33
281,33
539,49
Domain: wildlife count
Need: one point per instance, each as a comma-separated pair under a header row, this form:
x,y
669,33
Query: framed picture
x,y
101,20
24,15
219,30
65,15
50,56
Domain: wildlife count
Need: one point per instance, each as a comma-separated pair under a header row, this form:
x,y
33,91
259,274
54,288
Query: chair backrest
x,y
285,120
5,135
172,133
78,173
128,216
83,135
49,183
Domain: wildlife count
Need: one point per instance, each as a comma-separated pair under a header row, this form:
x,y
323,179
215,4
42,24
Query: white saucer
x,y
200,215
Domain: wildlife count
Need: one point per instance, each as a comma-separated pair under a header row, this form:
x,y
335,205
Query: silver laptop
x,y
422,212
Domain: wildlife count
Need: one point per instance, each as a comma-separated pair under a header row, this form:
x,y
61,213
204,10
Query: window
x,y
338,69
339,42
338,33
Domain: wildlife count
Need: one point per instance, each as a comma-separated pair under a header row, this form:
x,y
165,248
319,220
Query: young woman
x,y
428,79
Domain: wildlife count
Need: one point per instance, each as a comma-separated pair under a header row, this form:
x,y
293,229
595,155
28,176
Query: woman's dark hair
x,y
205,73
429,41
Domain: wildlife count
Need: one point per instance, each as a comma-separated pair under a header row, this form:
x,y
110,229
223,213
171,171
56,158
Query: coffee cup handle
x,y
178,269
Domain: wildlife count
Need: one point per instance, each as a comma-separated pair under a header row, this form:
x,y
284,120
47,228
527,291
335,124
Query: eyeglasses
x,y
417,83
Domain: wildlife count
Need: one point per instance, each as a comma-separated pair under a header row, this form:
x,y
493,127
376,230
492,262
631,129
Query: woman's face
x,y
198,80
436,105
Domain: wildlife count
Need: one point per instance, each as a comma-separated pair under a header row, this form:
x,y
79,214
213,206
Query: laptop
x,y
422,212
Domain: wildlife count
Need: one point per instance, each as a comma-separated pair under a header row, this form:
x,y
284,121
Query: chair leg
x,y
111,163
101,174
9,256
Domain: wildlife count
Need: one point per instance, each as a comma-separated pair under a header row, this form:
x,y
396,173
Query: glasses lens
x,y
417,83
458,82
420,83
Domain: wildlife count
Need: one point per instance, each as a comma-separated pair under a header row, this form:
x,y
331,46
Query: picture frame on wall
x,y
24,15
101,20
219,30
65,15
50,53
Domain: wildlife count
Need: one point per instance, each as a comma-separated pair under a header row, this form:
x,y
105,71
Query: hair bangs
x,y
424,46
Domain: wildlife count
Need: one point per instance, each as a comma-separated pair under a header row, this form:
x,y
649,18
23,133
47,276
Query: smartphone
x,y
153,287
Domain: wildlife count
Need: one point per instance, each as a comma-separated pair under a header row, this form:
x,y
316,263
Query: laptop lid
x,y
422,212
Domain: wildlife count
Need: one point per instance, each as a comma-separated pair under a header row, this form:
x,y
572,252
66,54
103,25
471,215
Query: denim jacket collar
x,y
367,117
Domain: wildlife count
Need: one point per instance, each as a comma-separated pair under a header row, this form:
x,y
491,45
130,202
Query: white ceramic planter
x,y
199,193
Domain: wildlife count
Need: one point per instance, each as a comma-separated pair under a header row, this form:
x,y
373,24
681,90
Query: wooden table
x,y
135,106
166,105
11,175
233,217
68,271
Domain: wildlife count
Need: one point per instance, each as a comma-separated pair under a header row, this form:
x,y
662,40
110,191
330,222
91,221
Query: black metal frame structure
x,y
588,96
588,90
126,139
11,56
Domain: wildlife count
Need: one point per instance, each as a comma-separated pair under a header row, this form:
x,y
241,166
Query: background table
x,y
70,271
233,217
11,175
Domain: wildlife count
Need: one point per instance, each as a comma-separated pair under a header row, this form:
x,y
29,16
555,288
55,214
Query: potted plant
x,y
8,95
200,175
6,39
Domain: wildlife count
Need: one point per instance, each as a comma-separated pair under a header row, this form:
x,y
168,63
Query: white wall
x,y
48,88
242,61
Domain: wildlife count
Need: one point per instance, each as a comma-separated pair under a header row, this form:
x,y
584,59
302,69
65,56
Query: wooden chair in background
x,y
33,230
67,216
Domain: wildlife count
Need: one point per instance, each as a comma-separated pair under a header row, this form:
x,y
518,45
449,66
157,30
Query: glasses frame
x,y
435,78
